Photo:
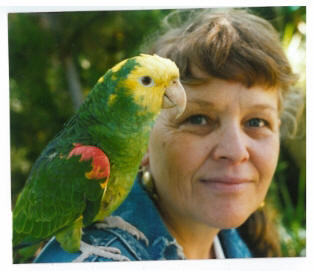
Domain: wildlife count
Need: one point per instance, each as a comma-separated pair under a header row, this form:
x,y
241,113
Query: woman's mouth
x,y
226,184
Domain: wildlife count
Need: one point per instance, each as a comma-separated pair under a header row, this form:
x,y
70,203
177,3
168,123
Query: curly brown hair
x,y
237,46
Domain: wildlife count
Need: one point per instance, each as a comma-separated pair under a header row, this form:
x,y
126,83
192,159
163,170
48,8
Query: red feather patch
x,y
100,162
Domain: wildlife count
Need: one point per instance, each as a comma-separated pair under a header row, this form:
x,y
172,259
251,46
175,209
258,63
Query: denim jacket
x,y
140,211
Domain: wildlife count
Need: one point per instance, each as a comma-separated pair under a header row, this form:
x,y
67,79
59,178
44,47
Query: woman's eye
x,y
257,123
198,124
197,120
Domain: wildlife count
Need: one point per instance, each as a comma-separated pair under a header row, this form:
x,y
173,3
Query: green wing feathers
x,y
54,197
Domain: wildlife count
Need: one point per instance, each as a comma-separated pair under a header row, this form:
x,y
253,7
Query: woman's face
x,y
214,164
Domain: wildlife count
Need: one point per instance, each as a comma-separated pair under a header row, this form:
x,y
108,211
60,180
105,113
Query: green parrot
x,y
88,169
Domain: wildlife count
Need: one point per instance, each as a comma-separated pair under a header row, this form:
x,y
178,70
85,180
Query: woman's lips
x,y
227,184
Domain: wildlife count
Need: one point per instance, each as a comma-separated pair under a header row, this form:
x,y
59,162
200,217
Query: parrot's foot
x,y
118,222
101,251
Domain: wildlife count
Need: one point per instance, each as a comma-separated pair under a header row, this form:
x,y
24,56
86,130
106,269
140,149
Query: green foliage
x,y
41,46
287,194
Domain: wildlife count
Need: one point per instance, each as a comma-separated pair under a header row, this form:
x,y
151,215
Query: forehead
x,y
220,94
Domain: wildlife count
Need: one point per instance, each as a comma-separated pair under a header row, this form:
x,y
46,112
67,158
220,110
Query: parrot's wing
x,y
58,190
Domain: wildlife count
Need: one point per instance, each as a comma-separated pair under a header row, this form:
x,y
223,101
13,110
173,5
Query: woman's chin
x,y
226,220
232,224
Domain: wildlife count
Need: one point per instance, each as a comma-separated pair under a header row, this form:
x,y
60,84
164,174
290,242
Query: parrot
x,y
87,170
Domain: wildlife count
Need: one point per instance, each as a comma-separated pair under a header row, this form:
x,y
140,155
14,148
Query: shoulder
x,y
128,246
134,249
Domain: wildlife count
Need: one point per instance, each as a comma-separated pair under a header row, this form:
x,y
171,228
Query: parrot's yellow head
x,y
153,83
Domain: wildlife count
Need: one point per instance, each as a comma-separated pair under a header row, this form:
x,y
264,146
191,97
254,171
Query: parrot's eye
x,y
146,81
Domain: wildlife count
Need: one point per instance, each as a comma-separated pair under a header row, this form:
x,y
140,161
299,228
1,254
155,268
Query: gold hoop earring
x,y
148,183
146,177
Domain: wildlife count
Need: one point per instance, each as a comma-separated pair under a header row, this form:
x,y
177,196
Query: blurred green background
x,y
55,58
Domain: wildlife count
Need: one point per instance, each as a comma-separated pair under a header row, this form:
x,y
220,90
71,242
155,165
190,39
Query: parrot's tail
x,y
25,253
24,250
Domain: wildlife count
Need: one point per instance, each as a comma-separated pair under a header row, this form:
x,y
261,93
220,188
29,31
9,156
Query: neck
x,y
120,131
195,238
115,127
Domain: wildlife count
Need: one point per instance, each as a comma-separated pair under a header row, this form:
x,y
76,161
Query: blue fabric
x,y
139,210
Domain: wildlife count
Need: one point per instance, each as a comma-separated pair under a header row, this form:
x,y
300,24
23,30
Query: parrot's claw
x,y
118,222
101,251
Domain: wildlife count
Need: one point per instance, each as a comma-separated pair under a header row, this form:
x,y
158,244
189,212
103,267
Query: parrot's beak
x,y
175,96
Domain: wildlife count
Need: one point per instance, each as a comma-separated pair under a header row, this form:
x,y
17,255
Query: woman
x,y
207,172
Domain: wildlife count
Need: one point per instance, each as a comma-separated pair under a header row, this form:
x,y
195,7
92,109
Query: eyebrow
x,y
202,102
264,106
260,106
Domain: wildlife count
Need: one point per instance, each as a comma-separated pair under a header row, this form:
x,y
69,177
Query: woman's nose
x,y
231,144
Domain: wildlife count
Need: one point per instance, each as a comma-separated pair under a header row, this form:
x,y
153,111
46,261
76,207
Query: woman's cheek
x,y
273,147
265,159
